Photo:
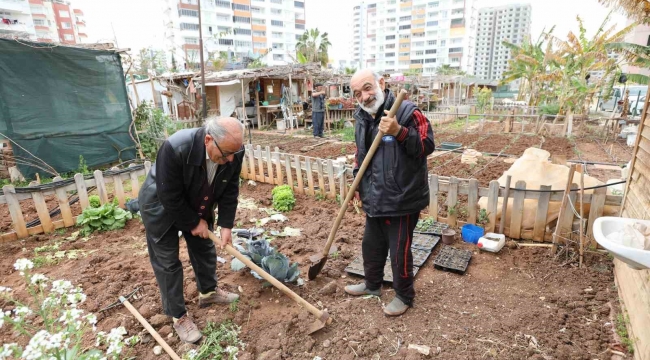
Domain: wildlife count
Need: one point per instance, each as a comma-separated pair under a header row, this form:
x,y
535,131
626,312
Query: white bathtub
x,y
635,258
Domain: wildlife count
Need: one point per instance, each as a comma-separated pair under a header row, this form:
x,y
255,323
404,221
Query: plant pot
x,y
448,236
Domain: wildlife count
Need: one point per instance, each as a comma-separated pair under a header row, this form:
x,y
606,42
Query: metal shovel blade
x,y
320,323
318,262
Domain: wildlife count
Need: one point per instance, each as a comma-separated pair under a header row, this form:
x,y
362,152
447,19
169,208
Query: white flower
x,y
76,298
70,316
114,339
4,289
34,350
38,279
61,286
7,350
191,355
92,320
22,265
21,312
132,341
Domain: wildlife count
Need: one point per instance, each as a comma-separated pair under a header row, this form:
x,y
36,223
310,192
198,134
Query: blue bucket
x,y
471,233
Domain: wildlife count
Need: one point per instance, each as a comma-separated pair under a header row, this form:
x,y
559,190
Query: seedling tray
x,y
356,268
434,229
424,242
453,260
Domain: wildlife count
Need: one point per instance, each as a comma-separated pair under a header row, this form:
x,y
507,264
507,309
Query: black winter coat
x,y
396,181
175,180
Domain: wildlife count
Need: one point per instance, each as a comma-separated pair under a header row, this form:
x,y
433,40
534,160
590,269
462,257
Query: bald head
x,y
223,136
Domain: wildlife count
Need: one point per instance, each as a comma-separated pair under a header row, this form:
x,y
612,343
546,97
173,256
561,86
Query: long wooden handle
x,y
151,331
279,285
362,170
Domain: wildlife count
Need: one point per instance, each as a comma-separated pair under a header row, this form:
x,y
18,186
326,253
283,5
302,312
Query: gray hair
x,y
214,126
374,74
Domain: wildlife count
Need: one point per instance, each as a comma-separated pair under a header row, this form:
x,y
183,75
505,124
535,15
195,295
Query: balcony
x,y
83,35
188,6
41,27
17,29
21,6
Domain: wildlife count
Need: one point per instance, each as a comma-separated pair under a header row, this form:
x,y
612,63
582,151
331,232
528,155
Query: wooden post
x,y
269,166
82,192
153,91
250,152
493,200
279,166
147,167
301,186
330,176
64,206
257,104
567,189
342,183
43,212
244,168
101,186
135,183
596,209
287,167
517,212
321,179
310,176
135,91
582,216
119,189
452,201
472,200
504,207
542,212
260,164
433,197
15,211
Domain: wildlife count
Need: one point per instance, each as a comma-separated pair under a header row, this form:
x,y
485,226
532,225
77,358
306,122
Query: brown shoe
x,y
187,330
217,297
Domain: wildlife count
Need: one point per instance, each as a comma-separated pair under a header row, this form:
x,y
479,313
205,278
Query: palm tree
x,y
528,63
312,46
635,55
350,70
636,9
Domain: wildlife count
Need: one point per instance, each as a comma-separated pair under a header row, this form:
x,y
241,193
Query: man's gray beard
x,y
378,102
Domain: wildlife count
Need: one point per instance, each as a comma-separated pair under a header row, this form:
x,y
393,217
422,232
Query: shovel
x,y
322,316
318,261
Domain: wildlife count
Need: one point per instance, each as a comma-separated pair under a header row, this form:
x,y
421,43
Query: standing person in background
x,y
318,110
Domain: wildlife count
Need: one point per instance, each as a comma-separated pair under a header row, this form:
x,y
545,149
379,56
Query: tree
x,y
635,55
636,9
446,69
528,63
174,66
219,60
148,61
350,70
312,46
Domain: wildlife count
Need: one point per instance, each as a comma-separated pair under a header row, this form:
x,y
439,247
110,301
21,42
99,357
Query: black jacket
x,y
396,181
176,179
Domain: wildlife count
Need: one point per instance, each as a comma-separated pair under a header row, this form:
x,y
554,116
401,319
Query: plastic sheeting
x,y
62,102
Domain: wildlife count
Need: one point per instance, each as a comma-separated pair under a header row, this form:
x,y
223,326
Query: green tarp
x,y
61,102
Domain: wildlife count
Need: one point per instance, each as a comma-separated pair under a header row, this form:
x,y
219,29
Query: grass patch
x,y
221,342
621,330
346,134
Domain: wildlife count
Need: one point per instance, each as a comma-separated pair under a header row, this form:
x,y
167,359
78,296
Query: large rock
x,y
159,320
329,289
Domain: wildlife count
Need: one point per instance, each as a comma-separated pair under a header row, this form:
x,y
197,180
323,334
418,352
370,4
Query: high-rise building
x,y
414,35
239,28
43,20
497,24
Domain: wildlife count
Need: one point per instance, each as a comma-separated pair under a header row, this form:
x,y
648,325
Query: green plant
x,y
267,257
283,199
549,109
105,217
94,201
234,306
153,126
320,196
621,330
221,342
83,166
453,210
483,217
483,98
51,323
424,224
335,255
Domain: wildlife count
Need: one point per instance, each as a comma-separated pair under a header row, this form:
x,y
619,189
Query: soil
x,y
494,144
559,146
496,309
522,143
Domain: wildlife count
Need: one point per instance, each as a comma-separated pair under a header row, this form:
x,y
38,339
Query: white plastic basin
x,y
635,258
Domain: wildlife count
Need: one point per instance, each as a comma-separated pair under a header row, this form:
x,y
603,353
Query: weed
x,y
335,255
46,248
40,261
234,306
483,217
344,150
453,210
320,196
221,342
621,330
60,231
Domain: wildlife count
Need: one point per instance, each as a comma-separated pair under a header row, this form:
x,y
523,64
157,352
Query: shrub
x,y
105,217
549,109
283,199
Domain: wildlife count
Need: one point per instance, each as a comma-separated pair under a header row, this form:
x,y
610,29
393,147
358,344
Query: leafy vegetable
x,y
266,257
94,201
283,199
105,217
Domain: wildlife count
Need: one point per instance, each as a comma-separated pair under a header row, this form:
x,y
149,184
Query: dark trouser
x,y
317,119
169,270
395,234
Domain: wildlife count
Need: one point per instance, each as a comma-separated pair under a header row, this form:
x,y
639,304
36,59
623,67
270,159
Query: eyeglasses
x,y
224,155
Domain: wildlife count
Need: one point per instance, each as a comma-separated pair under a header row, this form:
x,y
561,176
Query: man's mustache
x,y
370,101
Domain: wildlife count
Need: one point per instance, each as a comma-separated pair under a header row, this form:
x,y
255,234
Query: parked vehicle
x,y
635,99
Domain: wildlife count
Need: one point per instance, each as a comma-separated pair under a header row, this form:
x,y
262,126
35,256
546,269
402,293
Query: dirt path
x,y
491,311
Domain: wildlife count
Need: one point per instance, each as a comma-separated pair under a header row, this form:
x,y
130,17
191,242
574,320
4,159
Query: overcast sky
x,y
139,23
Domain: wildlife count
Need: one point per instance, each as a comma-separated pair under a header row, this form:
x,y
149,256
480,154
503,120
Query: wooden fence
x,y
80,186
331,179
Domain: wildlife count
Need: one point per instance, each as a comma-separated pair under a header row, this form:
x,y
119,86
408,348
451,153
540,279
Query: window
x,y
418,26
418,53
240,43
648,43
404,62
278,57
241,19
39,22
418,35
64,14
404,36
224,29
224,18
405,18
299,4
241,7
186,26
276,1
191,40
403,54
405,27
276,35
431,51
222,4
257,10
259,33
404,46
300,26
429,61
390,54
225,42
186,12
457,22
455,60
242,32
456,50
432,42
434,4
68,37
390,46
259,45
259,21
390,37
419,61
277,23
276,11
418,44
66,25
277,46
432,23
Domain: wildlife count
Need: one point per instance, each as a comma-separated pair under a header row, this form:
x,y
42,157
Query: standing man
x,y
196,170
394,188
318,110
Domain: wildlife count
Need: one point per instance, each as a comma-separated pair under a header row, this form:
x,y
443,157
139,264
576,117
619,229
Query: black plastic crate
x,y
453,260
424,241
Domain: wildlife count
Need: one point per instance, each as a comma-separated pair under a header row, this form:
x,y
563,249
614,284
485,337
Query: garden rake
x,y
318,261
135,295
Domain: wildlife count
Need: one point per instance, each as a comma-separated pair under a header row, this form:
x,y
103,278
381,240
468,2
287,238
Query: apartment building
x,y
240,28
43,20
414,35
497,24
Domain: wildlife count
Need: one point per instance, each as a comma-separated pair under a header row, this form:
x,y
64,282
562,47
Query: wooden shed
x,y
634,285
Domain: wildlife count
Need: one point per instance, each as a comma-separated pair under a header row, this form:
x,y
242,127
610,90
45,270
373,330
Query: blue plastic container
x,y
471,233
